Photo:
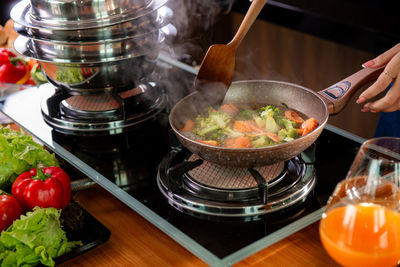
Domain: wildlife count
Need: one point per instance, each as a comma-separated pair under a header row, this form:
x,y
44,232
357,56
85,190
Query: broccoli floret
x,y
288,135
217,135
212,125
245,114
293,133
287,124
269,111
282,133
220,118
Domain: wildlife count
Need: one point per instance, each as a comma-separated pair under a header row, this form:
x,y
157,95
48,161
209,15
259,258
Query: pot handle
x,y
337,96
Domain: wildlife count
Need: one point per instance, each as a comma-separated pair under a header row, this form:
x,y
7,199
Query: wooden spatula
x,y
218,67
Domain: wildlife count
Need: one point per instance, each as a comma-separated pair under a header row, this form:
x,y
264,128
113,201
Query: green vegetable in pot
x,y
69,75
36,237
18,154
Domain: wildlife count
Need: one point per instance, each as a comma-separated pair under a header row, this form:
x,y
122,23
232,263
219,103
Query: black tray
x,y
88,230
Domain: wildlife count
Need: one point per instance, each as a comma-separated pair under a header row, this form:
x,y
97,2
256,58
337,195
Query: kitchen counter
x,y
136,242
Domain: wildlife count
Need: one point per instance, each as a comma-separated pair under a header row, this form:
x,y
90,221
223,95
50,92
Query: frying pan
x,y
318,105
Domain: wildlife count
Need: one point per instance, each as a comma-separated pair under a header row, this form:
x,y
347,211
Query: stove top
x,y
128,164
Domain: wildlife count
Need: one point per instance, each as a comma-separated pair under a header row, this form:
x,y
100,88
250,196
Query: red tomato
x,y
10,210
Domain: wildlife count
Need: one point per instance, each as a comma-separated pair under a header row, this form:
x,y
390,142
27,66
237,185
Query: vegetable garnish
x,y
19,153
17,70
235,127
36,237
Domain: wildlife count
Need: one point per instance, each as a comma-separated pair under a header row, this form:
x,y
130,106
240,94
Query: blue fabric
x,y
388,124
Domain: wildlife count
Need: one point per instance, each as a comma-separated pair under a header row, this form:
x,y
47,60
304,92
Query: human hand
x,y
391,101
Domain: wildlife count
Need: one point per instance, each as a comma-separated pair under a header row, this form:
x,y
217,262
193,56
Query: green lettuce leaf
x,y
36,237
20,153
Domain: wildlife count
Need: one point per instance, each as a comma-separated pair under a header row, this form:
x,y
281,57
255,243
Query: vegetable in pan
x,y
234,127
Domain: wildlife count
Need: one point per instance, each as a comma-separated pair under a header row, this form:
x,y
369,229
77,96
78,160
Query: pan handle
x,y
338,95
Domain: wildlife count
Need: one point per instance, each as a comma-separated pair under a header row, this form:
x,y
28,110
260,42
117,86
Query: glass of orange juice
x,y
361,223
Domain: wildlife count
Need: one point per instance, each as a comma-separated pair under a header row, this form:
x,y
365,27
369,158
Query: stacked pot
x,y
93,46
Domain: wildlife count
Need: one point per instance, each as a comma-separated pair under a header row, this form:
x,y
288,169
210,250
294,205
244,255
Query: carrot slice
x,y
242,126
208,142
246,126
189,126
300,131
239,142
230,109
293,116
273,137
308,126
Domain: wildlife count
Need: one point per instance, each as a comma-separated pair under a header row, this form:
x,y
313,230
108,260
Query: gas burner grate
x,y
105,114
223,177
286,185
91,107
91,102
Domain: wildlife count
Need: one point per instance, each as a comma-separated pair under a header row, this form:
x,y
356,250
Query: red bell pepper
x,y
13,71
49,187
7,53
10,210
4,59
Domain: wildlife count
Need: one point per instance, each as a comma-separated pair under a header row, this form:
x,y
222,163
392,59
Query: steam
x,y
194,20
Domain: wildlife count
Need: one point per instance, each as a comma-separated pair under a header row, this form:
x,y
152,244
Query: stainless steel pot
x,y
150,22
56,10
75,15
96,52
97,78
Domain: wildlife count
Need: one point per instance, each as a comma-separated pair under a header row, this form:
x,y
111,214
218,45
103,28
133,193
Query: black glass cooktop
x,y
126,165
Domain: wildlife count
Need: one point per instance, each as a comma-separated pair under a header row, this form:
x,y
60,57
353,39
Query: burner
x,y
91,107
204,189
102,114
221,177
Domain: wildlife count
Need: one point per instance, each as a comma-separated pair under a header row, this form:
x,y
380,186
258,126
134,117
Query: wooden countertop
x,y
136,242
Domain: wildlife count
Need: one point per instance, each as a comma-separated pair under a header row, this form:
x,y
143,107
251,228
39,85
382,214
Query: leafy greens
x,y
19,153
36,237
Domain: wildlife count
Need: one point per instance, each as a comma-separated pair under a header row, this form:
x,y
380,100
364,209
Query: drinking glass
x,y
361,223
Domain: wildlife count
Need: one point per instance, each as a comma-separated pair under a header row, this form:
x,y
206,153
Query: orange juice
x,y
362,235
